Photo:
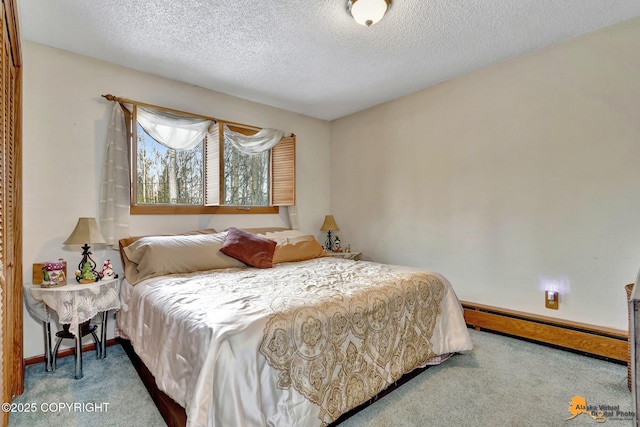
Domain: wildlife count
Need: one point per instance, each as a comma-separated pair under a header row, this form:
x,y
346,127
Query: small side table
x,y
354,255
74,304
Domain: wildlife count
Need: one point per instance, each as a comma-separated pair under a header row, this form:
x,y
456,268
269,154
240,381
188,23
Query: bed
x,y
262,330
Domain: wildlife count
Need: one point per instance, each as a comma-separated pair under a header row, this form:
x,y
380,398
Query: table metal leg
x,y
103,335
48,357
78,373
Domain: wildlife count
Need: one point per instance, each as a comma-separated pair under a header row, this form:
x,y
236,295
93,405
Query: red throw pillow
x,y
247,247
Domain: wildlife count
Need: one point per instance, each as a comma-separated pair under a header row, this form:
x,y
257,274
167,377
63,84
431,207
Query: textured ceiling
x,y
310,56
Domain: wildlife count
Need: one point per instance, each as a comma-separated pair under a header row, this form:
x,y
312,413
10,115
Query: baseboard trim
x,y
65,352
592,340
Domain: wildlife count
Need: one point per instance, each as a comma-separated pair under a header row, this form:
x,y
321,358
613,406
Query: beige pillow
x,y
281,235
263,230
297,249
160,255
130,267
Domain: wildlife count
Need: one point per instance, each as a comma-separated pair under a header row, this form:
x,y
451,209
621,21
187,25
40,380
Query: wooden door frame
x,y
12,322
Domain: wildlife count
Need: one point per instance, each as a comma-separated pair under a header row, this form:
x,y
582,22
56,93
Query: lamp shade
x,y
86,231
329,224
368,12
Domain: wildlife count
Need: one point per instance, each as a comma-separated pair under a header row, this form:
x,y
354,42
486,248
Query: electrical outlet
x,y
551,300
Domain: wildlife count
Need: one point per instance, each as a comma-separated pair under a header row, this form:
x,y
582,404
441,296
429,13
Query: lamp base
x,y
328,244
86,272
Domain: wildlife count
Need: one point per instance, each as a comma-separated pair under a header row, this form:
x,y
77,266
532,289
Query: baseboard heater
x,y
607,343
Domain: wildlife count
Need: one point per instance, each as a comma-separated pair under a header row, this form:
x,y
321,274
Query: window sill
x,y
204,210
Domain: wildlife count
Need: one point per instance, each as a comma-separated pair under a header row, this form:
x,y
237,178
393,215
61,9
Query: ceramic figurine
x,y
53,274
87,275
336,245
107,271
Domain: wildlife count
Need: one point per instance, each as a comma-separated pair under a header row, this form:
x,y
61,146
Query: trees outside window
x,y
246,178
168,176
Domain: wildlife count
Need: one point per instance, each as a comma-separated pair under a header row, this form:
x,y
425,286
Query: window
x,y
204,172
165,175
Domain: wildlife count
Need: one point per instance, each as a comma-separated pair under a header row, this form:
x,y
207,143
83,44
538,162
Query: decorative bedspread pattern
x,y
342,351
292,345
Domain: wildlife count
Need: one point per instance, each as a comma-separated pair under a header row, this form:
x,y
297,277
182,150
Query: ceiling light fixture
x,y
368,12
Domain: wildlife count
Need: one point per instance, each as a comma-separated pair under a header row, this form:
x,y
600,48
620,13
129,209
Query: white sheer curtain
x,y
293,217
253,144
173,130
114,193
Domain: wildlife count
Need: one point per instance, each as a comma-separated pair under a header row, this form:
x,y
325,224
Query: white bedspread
x,y
215,343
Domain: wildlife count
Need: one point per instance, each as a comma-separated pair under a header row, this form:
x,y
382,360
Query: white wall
x,y
523,172
64,131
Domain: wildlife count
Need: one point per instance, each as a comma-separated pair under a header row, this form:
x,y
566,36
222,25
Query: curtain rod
x,y
144,104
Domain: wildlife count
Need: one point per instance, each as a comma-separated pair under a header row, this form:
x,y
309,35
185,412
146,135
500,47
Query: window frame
x,y
167,209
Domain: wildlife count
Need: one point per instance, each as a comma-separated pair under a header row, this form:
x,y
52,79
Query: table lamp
x,y
86,232
329,225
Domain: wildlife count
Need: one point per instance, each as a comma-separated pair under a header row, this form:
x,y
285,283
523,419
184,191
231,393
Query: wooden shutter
x,y
283,172
11,345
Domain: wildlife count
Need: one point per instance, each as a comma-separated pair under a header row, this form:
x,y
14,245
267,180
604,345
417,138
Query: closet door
x,y
11,358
